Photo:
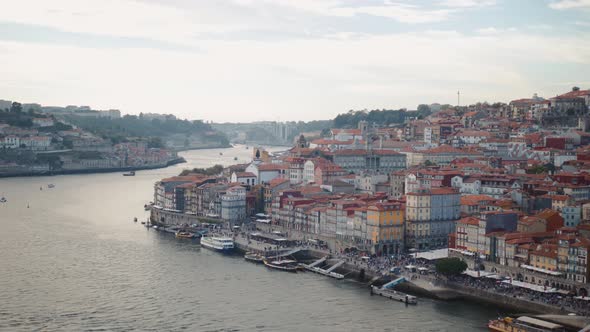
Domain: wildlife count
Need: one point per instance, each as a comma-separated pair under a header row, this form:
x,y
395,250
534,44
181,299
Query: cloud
x,y
295,79
467,3
570,4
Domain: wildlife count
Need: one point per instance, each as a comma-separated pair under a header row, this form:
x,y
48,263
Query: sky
x,y
283,60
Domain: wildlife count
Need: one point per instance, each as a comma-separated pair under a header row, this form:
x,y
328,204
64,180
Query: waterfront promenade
x,y
428,283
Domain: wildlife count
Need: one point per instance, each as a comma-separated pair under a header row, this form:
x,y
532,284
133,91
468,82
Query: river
x,y
72,259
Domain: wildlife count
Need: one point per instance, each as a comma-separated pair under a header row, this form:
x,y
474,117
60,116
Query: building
x,y
358,160
430,217
385,227
233,204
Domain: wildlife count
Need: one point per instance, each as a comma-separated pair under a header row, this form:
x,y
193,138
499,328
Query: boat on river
x,y
254,257
51,185
3,200
524,324
130,173
221,244
287,265
184,235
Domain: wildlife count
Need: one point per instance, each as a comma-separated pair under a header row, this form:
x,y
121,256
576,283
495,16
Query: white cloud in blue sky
x,y
230,60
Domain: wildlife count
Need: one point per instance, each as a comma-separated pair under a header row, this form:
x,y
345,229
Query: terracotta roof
x,y
245,175
469,221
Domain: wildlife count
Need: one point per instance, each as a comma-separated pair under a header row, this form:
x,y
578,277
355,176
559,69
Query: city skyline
x,y
285,60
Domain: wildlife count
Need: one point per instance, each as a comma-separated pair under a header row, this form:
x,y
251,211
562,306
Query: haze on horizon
x,y
249,60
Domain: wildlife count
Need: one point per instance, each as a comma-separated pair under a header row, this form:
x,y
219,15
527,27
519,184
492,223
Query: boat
x,y
221,153
3,200
147,207
287,265
51,185
221,244
523,324
254,257
130,173
184,235
135,219
143,222
235,158
155,227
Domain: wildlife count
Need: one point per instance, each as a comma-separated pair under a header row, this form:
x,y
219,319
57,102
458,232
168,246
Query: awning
x,y
477,274
537,269
537,288
432,254
463,252
264,221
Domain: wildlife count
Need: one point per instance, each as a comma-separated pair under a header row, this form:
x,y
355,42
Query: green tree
x,y
451,266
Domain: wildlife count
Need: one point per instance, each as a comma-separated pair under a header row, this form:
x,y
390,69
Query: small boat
x,y
235,158
130,173
254,257
51,185
40,188
135,219
155,227
184,235
143,222
221,153
147,207
221,244
3,200
287,265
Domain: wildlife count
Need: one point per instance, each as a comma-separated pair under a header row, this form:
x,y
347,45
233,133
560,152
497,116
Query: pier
x,y
394,295
314,267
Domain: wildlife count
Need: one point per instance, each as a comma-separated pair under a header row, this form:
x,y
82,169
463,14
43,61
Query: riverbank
x,y
175,161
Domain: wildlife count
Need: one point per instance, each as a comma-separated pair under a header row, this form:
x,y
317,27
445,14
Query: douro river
x,y
72,259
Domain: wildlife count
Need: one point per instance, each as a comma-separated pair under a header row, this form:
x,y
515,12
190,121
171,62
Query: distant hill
x,y
119,129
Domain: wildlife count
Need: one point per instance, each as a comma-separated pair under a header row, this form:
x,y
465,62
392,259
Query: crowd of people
x,y
562,301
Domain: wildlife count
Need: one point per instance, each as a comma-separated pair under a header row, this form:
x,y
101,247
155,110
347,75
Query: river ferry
x,y
221,244
287,265
523,324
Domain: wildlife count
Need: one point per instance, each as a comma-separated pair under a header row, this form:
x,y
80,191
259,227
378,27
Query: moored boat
x,y
3,200
221,244
51,185
131,173
287,265
254,257
184,235
523,324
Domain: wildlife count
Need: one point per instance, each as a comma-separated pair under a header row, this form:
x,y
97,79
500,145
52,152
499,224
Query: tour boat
x,y
524,324
184,235
221,244
282,265
254,257
131,173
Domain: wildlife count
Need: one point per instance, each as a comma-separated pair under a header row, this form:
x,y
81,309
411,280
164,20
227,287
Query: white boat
x,y
221,244
282,264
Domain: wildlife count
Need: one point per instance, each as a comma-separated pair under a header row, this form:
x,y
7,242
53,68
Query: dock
x,y
314,267
394,295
